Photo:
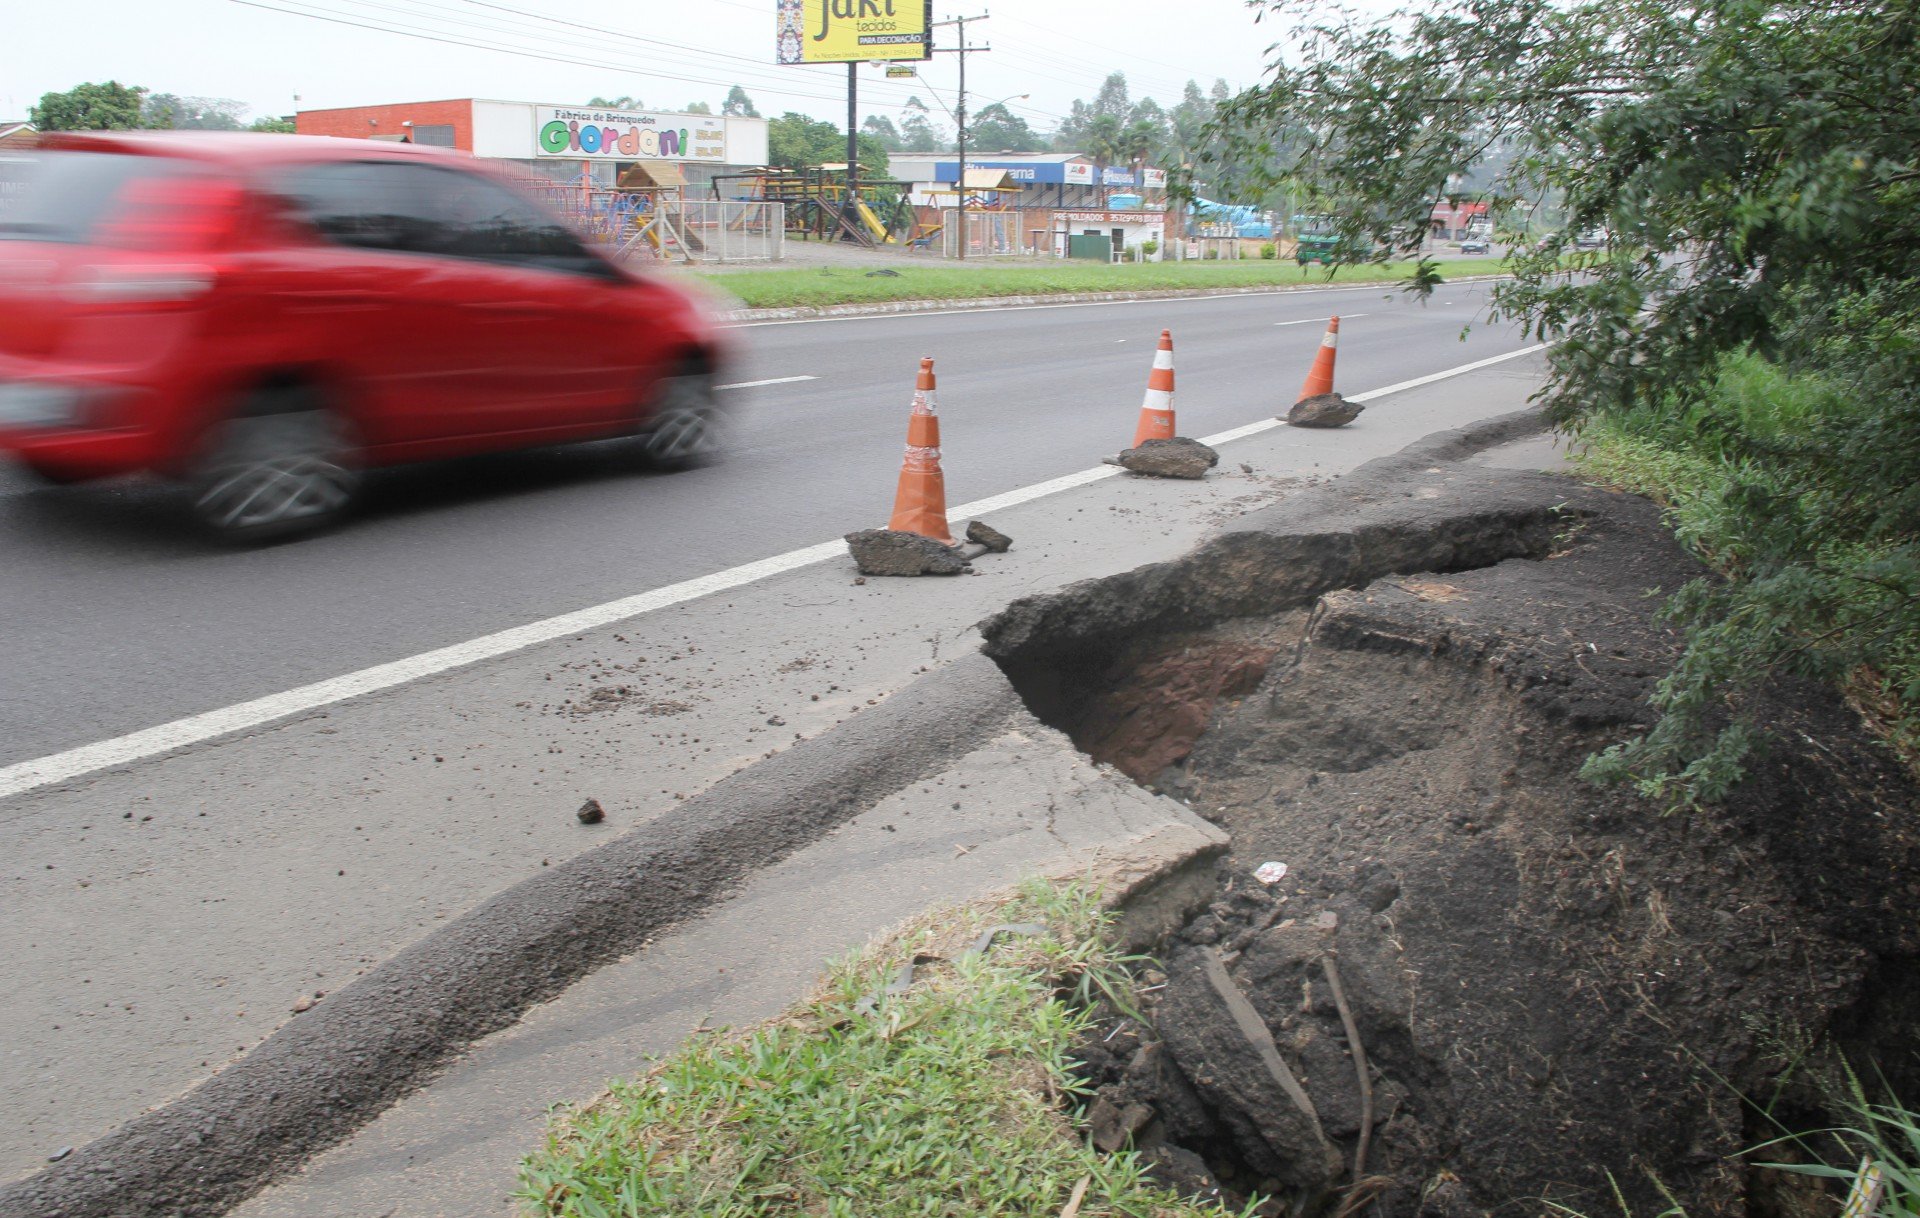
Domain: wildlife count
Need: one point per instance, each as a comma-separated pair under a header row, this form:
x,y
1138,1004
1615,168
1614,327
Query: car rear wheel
x,y
284,465
683,429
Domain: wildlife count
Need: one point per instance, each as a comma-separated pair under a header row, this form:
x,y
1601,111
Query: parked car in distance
x,y
266,317
1476,245
1592,239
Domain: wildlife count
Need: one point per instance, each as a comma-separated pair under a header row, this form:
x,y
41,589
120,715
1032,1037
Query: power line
x,y
333,17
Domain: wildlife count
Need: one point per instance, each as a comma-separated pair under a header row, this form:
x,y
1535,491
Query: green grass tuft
x,y
942,1102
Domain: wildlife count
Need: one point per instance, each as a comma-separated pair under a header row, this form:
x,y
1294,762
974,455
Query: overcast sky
x,y
668,53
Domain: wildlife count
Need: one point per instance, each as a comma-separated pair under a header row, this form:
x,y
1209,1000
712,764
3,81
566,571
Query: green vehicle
x,y
1316,241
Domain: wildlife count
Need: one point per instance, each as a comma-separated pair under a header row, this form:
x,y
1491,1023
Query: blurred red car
x,y
265,317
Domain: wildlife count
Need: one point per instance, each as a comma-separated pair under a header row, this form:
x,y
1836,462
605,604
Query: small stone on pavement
x,y
591,813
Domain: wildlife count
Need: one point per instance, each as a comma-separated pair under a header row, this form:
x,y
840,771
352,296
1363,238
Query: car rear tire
x,y
281,467
683,428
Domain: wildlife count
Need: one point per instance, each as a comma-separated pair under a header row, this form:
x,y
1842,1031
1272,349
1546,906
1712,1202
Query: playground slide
x,y
872,222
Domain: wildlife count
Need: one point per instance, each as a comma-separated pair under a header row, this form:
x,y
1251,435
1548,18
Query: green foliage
x,y
1268,250
192,113
268,125
738,104
1754,166
107,107
1771,481
937,1103
995,128
796,141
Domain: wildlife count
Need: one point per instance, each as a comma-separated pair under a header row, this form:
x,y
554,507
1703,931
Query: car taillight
x,y
174,214
140,285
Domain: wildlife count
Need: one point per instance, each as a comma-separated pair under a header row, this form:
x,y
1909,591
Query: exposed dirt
x,y
1552,982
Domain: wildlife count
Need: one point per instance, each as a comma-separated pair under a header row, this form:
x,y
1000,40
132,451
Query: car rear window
x,y
122,201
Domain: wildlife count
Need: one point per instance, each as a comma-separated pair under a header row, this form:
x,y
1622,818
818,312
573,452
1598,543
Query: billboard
x,y
849,31
627,135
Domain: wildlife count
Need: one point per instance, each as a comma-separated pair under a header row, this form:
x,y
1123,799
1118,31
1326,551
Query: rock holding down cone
x,y
1324,410
897,552
1175,458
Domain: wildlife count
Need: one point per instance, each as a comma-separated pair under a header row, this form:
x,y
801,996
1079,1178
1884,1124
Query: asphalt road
x,y
118,617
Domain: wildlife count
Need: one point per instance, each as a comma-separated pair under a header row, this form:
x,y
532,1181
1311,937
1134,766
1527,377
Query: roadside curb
x,y
897,307
328,1071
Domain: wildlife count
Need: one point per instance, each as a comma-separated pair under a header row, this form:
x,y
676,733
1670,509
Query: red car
x,y
265,317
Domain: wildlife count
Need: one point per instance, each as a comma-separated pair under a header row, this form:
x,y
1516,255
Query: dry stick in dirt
x,y
1359,1065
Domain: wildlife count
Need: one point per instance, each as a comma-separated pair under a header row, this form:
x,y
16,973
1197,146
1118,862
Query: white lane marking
x,y
1470,284
777,380
1254,429
196,729
1307,321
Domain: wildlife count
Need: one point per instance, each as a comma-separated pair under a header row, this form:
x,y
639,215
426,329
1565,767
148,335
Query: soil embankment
x,y
1390,687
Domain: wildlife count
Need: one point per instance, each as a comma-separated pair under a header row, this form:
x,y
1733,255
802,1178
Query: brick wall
x,y
351,121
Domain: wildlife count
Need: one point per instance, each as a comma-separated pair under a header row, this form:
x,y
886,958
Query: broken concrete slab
x,y
1175,458
893,552
1323,410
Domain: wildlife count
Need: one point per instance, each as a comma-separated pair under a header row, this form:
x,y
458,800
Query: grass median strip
x,y
821,286
945,1100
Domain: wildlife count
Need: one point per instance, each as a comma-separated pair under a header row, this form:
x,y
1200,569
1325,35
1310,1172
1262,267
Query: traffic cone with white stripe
x,y
1319,405
1156,412
920,503
1320,377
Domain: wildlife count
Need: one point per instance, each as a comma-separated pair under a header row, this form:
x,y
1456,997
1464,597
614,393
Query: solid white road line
x,y
1307,321
1254,429
196,729
778,380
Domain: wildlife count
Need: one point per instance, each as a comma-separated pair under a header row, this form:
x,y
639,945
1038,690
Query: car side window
x,y
365,204
482,219
420,209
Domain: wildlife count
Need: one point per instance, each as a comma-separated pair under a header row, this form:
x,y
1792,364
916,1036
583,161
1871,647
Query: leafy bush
x,y
1149,247
1754,308
1268,250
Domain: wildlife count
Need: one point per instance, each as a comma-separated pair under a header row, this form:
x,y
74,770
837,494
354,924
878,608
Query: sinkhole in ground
x,y
1557,988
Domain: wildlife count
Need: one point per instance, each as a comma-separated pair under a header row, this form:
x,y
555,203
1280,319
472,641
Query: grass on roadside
x,y
852,284
944,1101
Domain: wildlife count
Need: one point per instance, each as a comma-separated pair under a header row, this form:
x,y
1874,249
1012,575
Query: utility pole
x,y
848,215
960,122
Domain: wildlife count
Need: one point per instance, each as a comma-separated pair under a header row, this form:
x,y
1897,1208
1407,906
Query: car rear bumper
x,y
80,422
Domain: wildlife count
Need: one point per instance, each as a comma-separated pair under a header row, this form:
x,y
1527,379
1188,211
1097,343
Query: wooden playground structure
x,y
646,215
817,206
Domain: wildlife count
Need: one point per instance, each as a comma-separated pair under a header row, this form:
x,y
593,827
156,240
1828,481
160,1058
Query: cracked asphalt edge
x,y
329,1071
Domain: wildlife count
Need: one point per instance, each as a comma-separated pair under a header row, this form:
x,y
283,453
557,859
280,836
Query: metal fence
x,y
727,230
989,233
651,223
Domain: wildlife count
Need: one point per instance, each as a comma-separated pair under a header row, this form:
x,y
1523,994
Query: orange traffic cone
x,y
1320,379
920,505
1156,412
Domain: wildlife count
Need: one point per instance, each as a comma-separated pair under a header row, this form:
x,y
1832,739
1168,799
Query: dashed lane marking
x,y
776,380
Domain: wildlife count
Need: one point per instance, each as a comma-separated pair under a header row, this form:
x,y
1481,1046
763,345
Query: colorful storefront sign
x,y
1077,173
627,135
1116,177
1154,179
852,31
